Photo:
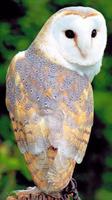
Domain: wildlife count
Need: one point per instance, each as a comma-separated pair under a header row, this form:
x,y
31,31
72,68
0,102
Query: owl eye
x,y
69,34
94,33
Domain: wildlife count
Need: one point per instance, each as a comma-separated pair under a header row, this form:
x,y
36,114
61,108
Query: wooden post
x,y
69,193
37,196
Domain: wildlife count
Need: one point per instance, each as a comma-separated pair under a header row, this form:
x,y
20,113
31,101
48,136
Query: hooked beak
x,y
83,45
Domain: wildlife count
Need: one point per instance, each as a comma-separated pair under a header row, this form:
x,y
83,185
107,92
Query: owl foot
x,y
71,191
55,195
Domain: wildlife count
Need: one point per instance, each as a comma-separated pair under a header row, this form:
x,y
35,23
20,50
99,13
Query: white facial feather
x,y
81,53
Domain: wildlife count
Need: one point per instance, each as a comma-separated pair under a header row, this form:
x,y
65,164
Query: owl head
x,y
75,37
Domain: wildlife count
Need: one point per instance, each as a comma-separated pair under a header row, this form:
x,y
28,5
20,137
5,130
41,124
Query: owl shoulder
x,y
17,57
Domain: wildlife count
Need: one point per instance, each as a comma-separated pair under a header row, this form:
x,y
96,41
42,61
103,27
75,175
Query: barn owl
x,y
49,94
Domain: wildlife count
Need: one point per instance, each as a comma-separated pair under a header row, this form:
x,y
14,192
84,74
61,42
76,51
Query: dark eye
x,y
69,34
94,33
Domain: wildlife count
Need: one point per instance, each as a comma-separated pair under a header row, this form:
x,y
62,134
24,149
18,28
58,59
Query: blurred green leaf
x,y
108,134
4,30
103,80
103,194
6,128
107,178
64,2
109,161
103,105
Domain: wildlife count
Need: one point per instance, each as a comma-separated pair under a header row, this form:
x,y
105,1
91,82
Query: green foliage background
x,y
20,22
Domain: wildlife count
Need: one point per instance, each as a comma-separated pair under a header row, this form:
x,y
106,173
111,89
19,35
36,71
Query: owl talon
x,y
71,189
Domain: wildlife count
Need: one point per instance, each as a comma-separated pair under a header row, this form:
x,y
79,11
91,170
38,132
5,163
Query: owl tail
x,y
60,174
48,170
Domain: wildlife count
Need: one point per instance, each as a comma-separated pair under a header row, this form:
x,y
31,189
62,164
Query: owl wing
x,y
36,127
33,124
77,124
